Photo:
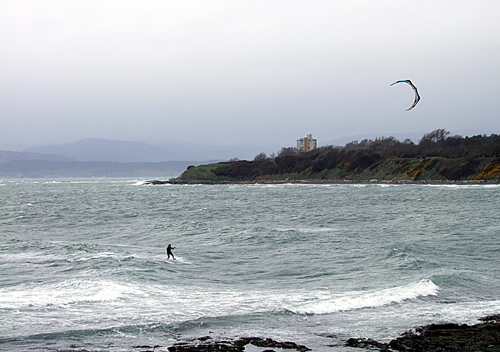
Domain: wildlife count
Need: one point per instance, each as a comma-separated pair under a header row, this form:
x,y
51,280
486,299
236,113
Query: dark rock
x,y
156,182
367,344
178,181
259,342
491,318
451,337
205,347
442,337
235,345
146,346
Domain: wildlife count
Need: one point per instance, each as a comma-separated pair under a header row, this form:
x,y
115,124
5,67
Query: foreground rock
x,y
206,344
442,337
431,338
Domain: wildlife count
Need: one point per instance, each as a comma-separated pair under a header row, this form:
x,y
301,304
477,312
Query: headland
x,y
437,158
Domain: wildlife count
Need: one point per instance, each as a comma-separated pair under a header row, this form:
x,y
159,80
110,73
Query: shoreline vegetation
x,y
484,336
437,158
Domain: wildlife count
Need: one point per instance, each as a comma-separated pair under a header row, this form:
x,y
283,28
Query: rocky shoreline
x,y
481,337
177,181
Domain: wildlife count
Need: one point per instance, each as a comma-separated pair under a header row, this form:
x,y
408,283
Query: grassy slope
x,y
393,169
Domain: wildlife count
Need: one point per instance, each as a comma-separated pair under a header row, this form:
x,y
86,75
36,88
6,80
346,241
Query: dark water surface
x,y
83,265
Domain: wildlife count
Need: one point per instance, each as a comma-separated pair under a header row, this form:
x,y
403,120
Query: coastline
x,y
177,181
347,167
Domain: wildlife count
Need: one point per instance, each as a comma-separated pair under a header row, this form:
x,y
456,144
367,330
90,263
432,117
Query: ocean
x,y
83,264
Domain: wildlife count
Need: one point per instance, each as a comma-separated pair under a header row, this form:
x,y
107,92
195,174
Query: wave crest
x,y
359,300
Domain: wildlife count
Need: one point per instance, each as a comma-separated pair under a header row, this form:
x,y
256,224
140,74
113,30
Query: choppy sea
x,y
83,264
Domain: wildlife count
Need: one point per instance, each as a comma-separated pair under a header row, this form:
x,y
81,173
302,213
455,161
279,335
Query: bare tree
x,y
287,151
435,136
260,157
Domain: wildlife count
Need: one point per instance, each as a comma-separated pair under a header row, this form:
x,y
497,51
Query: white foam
x,y
359,300
308,230
464,186
30,257
171,261
127,299
388,185
64,293
139,183
83,256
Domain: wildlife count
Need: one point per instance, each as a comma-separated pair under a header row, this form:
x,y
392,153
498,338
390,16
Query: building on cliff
x,y
306,144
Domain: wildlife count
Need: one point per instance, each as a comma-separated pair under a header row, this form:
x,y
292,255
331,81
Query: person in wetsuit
x,y
169,251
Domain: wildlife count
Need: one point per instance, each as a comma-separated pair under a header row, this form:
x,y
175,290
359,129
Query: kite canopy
x,y
417,97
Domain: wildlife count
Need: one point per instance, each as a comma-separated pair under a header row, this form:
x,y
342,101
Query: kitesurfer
x,y
169,251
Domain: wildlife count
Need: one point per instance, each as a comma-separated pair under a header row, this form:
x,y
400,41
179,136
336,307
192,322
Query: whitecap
x,y
360,300
139,183
65,293
308,230
464,186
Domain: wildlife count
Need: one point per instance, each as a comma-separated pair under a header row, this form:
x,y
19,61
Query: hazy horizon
x,y
268,148
231,73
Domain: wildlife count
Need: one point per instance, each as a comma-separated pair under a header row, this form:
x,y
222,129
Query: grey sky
x,y
245,72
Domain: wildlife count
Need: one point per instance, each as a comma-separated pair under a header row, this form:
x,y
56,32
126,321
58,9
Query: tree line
x,y
367,154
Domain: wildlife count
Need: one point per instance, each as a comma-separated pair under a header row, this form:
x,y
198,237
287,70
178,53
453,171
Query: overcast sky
x,y
245,72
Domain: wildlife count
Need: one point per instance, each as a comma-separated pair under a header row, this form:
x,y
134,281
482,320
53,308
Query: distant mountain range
x,y
106,158
105,150
93,149
39,165
7,156
79,169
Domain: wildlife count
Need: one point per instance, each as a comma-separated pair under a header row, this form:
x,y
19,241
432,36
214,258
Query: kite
x,y
417,97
